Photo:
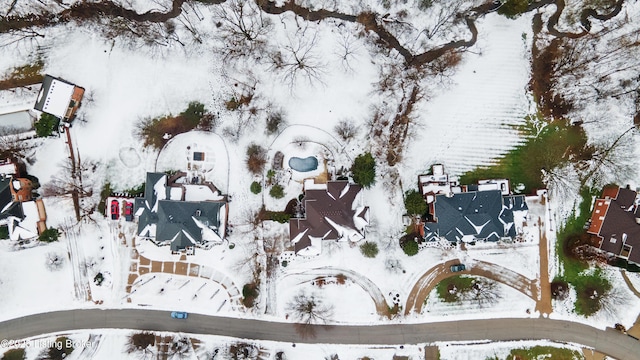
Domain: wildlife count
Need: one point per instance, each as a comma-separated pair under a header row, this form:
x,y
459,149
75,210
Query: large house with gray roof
x,y
181,212
474,216
332,211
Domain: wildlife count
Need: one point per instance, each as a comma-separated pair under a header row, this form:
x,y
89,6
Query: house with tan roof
x,y
332,212
615,221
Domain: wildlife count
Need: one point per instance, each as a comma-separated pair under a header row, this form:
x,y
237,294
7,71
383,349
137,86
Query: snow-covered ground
x,y
471,121
468,122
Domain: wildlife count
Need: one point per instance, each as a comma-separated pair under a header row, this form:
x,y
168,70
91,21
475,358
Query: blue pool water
x,y
303,165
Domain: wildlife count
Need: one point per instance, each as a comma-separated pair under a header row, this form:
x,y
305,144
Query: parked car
x,y
115,209
179,315
128,211
458,268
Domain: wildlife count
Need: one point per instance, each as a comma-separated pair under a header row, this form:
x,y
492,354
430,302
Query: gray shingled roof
x,y
14,208
146,203
175,220
46,86
481,214
181,241
620,222
177,216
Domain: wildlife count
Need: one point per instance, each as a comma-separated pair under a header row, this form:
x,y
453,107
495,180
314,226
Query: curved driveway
x,y
364,282
609,342
433,276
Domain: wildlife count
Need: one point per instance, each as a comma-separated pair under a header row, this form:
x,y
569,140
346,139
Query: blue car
x,y
457,268
179,315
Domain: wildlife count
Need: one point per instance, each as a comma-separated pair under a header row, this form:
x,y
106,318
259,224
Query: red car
x,y
115,209
128,211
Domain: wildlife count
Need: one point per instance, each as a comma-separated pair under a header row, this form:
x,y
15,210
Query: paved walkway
x,y
141,265
543,302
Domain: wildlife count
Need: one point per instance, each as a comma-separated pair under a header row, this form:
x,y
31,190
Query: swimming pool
x,y
303,165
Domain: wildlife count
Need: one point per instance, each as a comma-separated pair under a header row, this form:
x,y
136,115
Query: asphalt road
x,y
609,342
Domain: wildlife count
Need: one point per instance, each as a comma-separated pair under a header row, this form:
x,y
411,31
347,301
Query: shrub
x,y
513,8
414,203
194,112
104,194
591,293
98,279
345,129
49,235
46,125
275,122
410,247
35,182
153,130
364,170
277,192
278,216
559,290
256,158
369,249
140,341
4,232
135,190
14,354
235,104
256,188
271,174
425,4
242,351
249,294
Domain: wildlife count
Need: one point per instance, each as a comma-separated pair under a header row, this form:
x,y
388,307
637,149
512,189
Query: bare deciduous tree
x,y
298,59
345,129
141,343
75,180
13,146
348,48
242,29
54,261
180,348
243,351
483,292
256,158
307,310
612,301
